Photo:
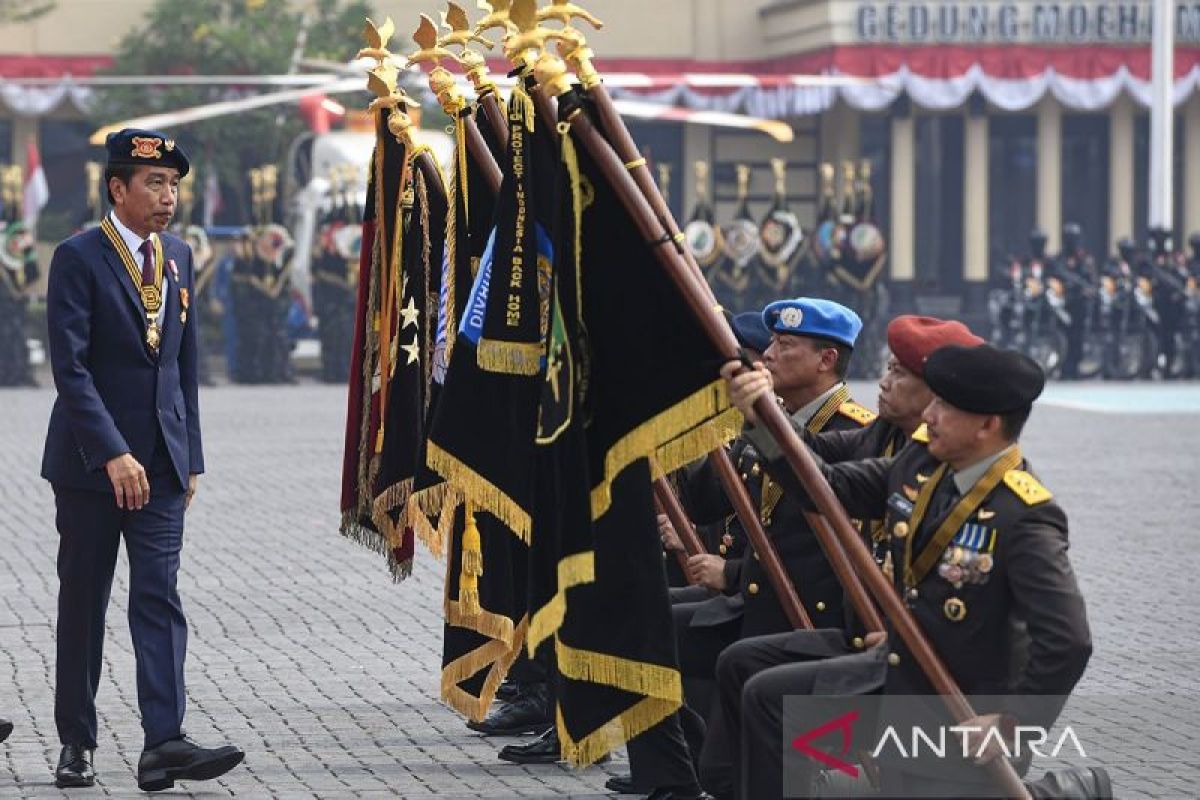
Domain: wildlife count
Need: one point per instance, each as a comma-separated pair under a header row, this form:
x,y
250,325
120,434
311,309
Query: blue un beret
x,y
135,147
750,330
810,316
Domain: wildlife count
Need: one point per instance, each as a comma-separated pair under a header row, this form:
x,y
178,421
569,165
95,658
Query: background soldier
x,y
247,312
335,276
1170,277
1077,271
18,275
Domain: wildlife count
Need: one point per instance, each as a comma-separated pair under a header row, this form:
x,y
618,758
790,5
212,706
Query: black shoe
x,y
679,793
528,713
621,784
1074,783
182,760
6,729
508,691
543,750
75,767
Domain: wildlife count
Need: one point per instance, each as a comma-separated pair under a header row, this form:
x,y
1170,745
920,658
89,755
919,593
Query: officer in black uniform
x,y
976,541
1170,276
246,309
1077,271
903,396
18,275
334,288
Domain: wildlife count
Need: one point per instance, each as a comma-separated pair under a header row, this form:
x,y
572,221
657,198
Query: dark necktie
x,y
147,251
944,498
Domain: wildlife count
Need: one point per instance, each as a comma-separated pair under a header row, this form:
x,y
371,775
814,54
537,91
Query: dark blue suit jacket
x,y
114,395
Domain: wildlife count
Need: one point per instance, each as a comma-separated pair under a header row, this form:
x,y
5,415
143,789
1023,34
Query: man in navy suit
x,y
123,454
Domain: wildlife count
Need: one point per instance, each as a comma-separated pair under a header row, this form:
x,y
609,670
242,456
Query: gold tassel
x,y
472,564
520,105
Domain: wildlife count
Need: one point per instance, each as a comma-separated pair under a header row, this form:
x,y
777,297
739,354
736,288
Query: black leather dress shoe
x,y
6,729
543,750
529,713
621,784
183,760
75,767
508,691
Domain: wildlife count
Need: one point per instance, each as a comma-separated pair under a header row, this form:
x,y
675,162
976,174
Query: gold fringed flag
x,y
645,384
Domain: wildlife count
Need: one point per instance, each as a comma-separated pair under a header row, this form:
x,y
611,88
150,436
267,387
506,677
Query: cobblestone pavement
x,y
304,652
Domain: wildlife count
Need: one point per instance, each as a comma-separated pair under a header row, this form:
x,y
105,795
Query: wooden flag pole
x,y
695,294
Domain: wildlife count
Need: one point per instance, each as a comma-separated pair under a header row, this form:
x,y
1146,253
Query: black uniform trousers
x,y
744,752
90,526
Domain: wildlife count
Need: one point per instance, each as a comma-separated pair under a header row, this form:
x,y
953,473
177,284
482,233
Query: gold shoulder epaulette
x,y
1026,487
851,409
921,434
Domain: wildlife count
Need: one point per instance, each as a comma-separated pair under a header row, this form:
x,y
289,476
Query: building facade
x,y
980,119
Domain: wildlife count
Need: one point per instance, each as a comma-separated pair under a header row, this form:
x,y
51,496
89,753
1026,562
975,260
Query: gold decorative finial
x,y
743,181
455,19
529,36
779,167
702,179
441,82
377,37
565,12
496,16
427,39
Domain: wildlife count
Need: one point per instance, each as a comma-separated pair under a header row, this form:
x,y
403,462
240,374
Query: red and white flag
x,y
37,191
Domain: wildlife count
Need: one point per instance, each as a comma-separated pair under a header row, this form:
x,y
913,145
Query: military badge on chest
x,y
968,559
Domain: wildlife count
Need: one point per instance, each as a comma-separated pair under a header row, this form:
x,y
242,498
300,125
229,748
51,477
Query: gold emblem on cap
x,y
955,609
146,147
900,530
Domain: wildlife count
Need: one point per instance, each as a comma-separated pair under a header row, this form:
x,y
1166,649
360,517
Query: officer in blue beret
x,y
123,453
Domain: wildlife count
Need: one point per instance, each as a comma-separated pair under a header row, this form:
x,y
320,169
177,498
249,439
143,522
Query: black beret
x,y
984,379
135,147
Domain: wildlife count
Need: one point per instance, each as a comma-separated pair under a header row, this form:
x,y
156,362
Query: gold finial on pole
x,y
572,45
664,179
743,181
779,167
702,173
461,34
524,45
441,82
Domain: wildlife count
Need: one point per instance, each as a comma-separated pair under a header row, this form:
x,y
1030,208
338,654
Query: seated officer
x,y
811,344
724,537
975,541
812,341
903,396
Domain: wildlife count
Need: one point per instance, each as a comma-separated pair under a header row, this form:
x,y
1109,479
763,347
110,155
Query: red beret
x,y
913,339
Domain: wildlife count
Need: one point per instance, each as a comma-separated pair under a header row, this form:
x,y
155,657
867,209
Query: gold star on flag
x,y
409,313
414,351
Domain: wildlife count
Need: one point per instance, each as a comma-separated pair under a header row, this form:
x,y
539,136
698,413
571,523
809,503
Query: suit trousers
x,y
743,753
90,527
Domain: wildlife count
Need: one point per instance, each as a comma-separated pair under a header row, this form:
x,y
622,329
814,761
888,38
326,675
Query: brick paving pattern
x,y
304,652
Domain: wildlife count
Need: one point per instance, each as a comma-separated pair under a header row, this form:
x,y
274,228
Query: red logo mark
x,y
845,724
